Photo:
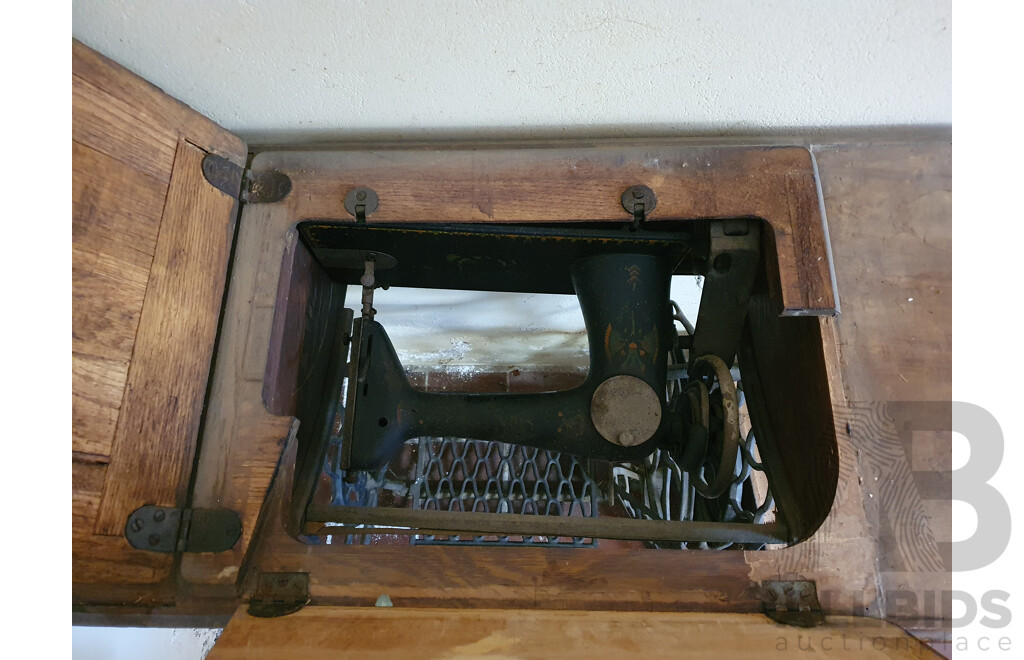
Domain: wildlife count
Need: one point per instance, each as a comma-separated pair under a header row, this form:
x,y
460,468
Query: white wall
x,y
284,71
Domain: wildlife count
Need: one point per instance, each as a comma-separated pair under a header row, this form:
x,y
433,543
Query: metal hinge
x,y
243,184
169,529
792,602
278,594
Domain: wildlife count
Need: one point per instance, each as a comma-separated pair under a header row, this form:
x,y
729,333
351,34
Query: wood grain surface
x,y
890,218
149,252
383,632
840,556
158,426
243,440
134,152
573,182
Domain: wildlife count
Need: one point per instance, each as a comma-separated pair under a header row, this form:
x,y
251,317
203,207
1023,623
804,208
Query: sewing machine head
x,y
655,393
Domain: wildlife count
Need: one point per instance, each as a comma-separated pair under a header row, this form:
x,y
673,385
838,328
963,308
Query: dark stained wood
x,y
131,244
782,362
379,632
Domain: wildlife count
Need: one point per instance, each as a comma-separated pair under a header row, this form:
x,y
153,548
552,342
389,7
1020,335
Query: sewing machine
x,y
655,426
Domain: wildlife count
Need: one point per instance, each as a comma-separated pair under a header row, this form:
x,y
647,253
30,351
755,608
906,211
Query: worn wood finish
x,y
122,98
115,218
239,446
141,214
242,440
566,183
159,422
840,556
376,632
890,215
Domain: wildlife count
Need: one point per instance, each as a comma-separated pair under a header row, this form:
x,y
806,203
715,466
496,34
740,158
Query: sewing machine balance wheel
x,y
714,408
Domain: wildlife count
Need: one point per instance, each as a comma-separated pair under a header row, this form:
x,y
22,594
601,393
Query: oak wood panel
x,y
890,216
573,182
841,556
159,423
126,139
104,560
148,104
112,126
380,632
242,441
115,218
97,385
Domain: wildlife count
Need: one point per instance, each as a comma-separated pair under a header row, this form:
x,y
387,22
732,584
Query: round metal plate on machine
x,y
625,410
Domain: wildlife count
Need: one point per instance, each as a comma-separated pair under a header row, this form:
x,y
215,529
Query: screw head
x,y
137,524
361,195
154,539
638,193
159,515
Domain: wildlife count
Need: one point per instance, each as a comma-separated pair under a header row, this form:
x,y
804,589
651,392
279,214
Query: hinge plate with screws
x,y
170,529
792,602
245,185
278,594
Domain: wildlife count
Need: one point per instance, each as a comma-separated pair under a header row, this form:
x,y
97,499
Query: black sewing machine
x,y
652,389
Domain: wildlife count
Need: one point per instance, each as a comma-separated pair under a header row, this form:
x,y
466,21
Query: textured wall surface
x,y
303,70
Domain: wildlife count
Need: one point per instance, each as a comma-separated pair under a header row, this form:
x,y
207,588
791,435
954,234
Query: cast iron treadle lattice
x,y
476,476
658,489
455,474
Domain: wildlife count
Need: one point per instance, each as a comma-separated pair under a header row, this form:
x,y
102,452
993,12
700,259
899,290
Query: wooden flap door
x,y
151,240
400,632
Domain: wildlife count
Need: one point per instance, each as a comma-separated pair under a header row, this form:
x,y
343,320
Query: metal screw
x,y
137,524
361,195
154,539
159,515
638,193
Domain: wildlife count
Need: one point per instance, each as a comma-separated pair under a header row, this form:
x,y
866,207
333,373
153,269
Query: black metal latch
x,y
168,529
792,602
245,185
638,202
278,594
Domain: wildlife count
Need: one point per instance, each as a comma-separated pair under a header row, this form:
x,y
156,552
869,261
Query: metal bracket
x,y
638,202
168,529
792,602
278,594
245,185
361,202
